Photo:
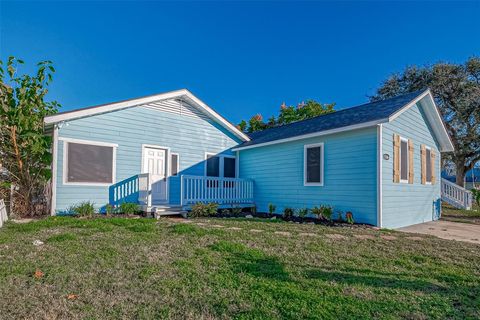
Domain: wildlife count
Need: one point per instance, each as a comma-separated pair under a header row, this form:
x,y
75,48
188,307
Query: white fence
x,y
456,196
219,190
3,212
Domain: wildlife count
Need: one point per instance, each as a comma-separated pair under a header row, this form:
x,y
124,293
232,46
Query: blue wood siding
x,y
406,204
190,137
349,174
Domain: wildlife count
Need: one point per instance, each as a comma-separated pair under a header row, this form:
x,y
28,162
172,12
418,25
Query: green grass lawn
x,y
458,215
126,268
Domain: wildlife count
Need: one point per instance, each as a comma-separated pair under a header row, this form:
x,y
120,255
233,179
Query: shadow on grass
x,y
254,262
382,280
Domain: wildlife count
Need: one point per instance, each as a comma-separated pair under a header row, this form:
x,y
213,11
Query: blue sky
x,y
240,58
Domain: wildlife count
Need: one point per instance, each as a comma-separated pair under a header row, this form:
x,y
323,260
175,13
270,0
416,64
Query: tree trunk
x,y
460,177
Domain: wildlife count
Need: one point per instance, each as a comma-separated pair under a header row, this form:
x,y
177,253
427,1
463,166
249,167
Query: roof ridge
x,y
336,112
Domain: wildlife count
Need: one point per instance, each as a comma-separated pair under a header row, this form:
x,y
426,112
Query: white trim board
x,y
53,203
379,175
91,142
182,94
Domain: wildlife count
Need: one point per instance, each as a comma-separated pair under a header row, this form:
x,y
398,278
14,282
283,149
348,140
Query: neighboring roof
x,y
472,175
362,116
182,94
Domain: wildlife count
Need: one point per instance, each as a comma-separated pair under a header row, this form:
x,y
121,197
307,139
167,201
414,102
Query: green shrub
x,y
327,212
317,211
236,210
476,196
271,208
323,212
288,213
226,211
302,212
109,209
204,209
83,209
349,217
128,208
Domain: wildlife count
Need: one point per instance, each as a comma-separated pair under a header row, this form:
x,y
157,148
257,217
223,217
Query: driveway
x,y
447,230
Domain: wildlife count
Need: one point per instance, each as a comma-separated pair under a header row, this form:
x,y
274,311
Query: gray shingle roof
x,y
368,112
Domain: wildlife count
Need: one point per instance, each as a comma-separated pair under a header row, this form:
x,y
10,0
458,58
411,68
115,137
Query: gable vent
x,y
177,107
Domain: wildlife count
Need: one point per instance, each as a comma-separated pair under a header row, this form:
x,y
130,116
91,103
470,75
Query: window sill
x,y
310,184
88,184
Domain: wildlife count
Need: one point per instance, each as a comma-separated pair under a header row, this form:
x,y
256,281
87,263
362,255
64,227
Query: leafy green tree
x,y
25,149
287,114
456,88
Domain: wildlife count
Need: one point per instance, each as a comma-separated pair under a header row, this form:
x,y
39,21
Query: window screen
x,y
213,166
404,160
313,162
428,164
229,167
89,163
174,164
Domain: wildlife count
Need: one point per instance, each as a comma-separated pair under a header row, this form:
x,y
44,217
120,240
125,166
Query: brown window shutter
x,y
432,159
396,158
410,161
424,164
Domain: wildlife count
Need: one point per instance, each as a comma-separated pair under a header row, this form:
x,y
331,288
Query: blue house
x,y
380,160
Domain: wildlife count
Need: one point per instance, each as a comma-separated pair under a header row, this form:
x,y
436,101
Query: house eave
x,y
177,94
315,134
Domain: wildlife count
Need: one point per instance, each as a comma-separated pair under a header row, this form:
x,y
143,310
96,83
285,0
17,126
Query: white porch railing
x,y
456,195
219,190
144,192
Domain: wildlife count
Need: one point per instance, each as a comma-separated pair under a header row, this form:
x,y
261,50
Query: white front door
x,y
154,162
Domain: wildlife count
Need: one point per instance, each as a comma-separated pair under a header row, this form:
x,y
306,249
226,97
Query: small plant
x,y
327,212
349,217
317,211
204,209
226,212
272,208
109,209
236,210
128,208
302,212
288,213
476,196
253,209
84,209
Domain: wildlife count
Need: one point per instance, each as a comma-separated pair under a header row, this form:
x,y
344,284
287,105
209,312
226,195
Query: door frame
x,y
167,166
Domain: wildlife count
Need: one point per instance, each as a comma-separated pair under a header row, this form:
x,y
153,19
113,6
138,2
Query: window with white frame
x,y
220,166
89,163
313,164
404,160
213,166
174,168
428,165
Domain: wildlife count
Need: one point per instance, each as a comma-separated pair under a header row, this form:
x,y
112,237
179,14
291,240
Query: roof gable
x,y
181,95
365,115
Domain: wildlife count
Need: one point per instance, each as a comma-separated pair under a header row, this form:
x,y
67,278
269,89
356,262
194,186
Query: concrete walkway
x,y
447,230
